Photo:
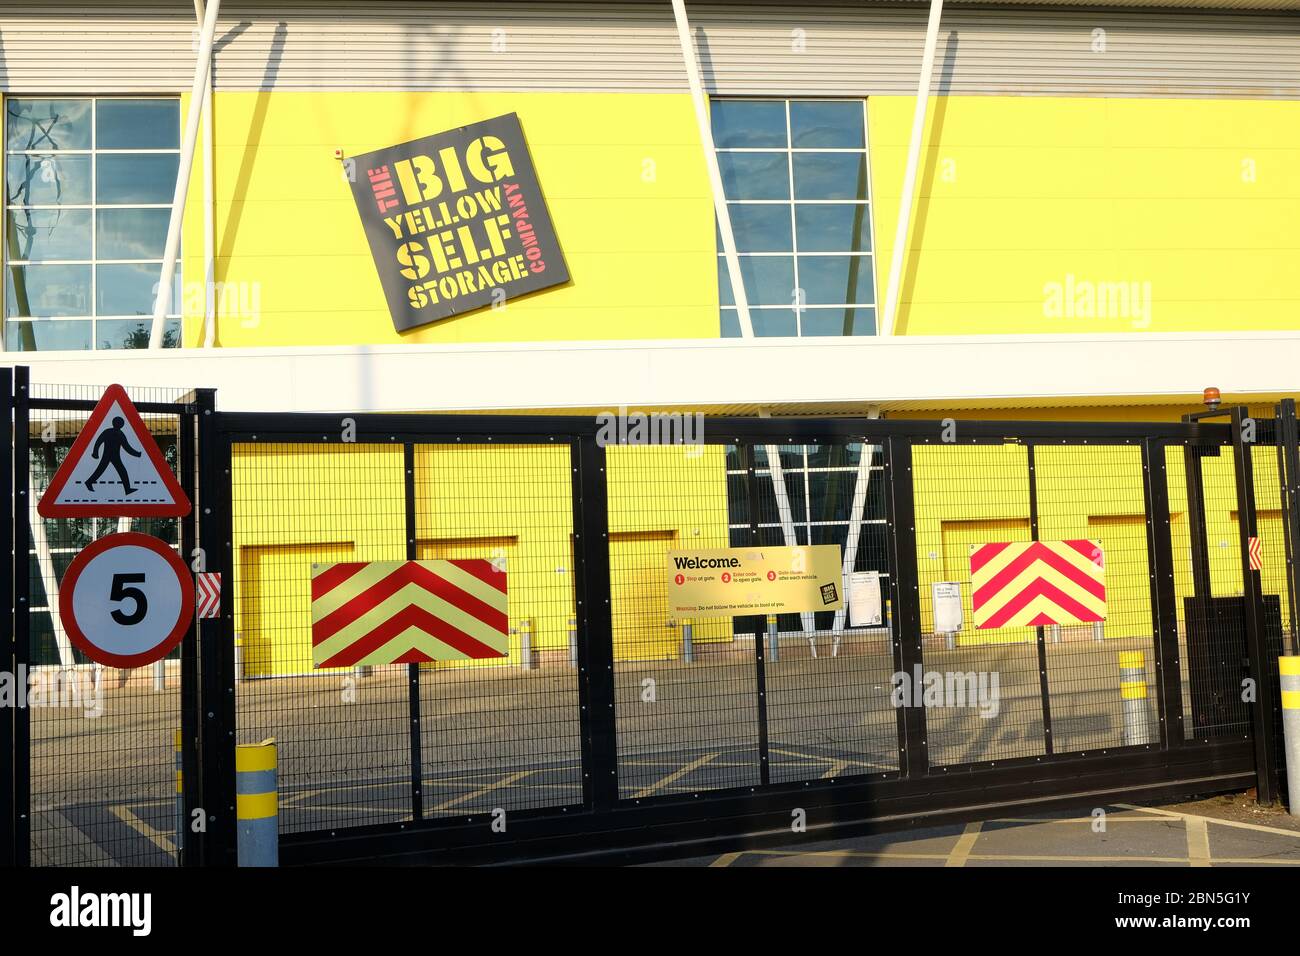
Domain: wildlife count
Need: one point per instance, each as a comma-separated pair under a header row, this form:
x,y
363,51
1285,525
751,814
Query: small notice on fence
x,y
864,599
733,582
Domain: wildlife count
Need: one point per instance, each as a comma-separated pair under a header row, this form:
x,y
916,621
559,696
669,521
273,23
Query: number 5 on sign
x,y
126,600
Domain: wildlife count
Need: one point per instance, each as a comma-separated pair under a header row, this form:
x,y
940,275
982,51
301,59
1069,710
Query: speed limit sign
x,y
126,600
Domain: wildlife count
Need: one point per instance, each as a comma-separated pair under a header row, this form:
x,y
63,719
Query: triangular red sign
x,y
114,469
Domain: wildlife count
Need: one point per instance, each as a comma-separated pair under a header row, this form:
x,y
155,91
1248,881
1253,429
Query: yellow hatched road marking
x,y
1240,825
675,775
503,782
965,843
156,837
1198,841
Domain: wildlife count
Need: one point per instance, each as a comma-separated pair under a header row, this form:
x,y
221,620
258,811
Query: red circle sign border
x,y
69,583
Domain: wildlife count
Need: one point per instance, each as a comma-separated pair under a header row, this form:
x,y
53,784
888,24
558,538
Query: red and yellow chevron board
x,y
1036,583
407,612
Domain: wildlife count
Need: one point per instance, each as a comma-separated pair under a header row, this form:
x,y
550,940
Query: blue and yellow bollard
x,y
1133,691
177,744
257,804
1288,667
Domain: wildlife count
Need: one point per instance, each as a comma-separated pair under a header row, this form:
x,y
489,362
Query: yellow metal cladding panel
x,y
1092,214
623,176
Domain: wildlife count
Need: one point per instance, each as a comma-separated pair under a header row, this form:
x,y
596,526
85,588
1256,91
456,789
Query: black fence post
x,y
413,670
1195,478
1044,687
594,623
191,797
1164,595
22,644
1289,474
217,723
749,463
1261,663
914,759
8,553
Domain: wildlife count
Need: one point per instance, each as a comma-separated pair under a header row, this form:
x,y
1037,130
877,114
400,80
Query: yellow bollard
x,y
257,804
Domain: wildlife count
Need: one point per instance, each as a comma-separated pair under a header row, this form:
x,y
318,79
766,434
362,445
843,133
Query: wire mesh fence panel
x,y
1101,673
686,700
984,699
343,732
828,679
503,732
1207,584
102,739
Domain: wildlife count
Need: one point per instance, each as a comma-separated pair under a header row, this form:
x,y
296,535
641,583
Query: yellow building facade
x,y
1043,206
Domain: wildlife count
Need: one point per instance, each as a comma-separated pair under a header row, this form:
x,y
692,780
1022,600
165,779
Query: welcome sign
x,y
456,221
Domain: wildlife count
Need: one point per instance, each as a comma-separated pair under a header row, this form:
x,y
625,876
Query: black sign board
x,y
456,221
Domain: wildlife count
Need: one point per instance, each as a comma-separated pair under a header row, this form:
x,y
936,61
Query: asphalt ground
x,y
103,788
1217,832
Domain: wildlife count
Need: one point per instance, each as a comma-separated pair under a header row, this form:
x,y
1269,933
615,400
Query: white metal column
x,y
861,484
202,69
897,258
209,216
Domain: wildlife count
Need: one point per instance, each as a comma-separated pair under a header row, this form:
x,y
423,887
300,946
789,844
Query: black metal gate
x,y
612,726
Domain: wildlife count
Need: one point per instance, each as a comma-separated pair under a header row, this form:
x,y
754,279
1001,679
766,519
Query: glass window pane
x,y
832,493
827,125
763,228
44,180
767,507
43,290
836,280
830,176
837,455
131,233
773,322
46,336
135,177
133,334
755,175
47,124
769,280
138,124
129,289
48,233
729,324
838,322
740,123
825,227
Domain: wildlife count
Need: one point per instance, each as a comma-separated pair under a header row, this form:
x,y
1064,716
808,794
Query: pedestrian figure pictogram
x,y
114,469
112,442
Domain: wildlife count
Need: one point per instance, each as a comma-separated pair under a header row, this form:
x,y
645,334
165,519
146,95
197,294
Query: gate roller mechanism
x,y
126,600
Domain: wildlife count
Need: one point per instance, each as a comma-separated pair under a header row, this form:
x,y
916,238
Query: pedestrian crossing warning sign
x,y
114,469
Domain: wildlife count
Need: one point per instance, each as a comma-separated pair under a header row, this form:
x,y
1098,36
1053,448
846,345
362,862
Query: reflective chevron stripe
x,y
1037,583
408,612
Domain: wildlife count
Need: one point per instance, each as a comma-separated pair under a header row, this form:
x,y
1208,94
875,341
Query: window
x,y
820,482
88,193
799,196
